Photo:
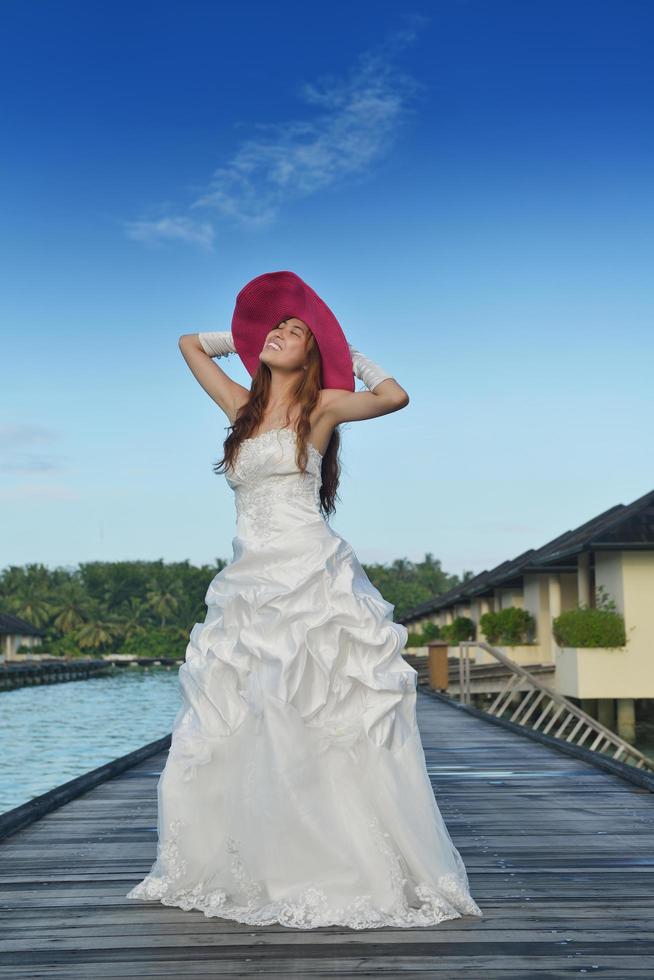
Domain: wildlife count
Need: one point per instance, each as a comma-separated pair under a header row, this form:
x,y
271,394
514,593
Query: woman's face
x,y
285,344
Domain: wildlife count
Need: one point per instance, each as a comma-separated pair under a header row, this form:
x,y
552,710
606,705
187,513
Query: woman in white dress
x,y
295,790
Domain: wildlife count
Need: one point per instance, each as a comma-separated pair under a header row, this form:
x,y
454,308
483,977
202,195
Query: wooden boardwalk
x,y
559,853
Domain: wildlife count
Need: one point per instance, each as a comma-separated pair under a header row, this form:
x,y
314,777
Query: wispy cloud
x,y
354,122
37,491
179,229
28,463
24,433
17,454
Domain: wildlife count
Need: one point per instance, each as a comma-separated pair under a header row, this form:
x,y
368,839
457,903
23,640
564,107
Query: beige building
x,y
613,552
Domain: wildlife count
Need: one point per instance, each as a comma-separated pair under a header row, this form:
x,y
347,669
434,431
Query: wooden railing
x,y
542,709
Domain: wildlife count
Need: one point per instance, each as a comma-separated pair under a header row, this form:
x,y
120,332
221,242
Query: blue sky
x,y
467,184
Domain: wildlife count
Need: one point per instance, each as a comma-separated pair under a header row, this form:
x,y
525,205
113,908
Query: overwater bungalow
x,y
608,559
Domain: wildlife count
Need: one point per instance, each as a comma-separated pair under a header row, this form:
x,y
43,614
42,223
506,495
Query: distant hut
x,y
15,632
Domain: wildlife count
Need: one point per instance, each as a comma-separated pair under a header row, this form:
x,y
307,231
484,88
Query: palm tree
x,y
133,617
30,606
70,607
96,635
163,600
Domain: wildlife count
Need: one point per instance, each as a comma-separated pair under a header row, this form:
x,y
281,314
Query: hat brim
x,y
275,296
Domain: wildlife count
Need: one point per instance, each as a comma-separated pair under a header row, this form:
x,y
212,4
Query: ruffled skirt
x,y
295,790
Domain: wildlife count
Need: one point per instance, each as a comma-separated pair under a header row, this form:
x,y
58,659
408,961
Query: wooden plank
x,y
448,969
559,855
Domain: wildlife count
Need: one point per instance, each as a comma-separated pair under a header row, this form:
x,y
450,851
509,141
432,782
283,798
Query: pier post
x,y
606,712
626,711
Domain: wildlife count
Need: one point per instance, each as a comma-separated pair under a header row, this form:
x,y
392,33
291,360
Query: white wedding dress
x,y
295,789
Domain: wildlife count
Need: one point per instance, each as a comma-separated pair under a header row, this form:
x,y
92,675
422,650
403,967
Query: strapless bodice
x,y
272,495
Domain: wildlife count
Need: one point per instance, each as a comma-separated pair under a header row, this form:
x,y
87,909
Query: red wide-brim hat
x,y
275,296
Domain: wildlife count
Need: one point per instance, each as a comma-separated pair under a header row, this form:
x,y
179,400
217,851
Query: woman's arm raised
x,y
198,349
384,394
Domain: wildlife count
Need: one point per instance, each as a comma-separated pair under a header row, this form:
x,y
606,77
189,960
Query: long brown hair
x,y
305,397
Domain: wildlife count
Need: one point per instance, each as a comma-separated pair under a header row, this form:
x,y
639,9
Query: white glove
x,y
217,344
366,370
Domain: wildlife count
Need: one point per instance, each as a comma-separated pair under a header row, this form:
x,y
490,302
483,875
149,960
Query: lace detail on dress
x,y
256,503
311,908
259,444
168,867
255,497
253,889
452,895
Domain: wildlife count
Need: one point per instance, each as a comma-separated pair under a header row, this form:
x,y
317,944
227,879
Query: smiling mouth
x,y
274,345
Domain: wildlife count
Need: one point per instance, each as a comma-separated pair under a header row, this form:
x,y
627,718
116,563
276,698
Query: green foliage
x,y
416,640
64,646
407,584
101,607
461,628
602,600
160,641
431,631
588,626
508,627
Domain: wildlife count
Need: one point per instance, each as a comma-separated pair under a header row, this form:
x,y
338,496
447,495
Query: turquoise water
x,y
53,732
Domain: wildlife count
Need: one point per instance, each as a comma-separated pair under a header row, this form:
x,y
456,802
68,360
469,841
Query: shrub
x,y
158,641
587,627
510,626
490,627
462,628
431,631
600,625
64,646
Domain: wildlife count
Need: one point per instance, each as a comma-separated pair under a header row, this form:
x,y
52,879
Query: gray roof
x,y
622,527
16,625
